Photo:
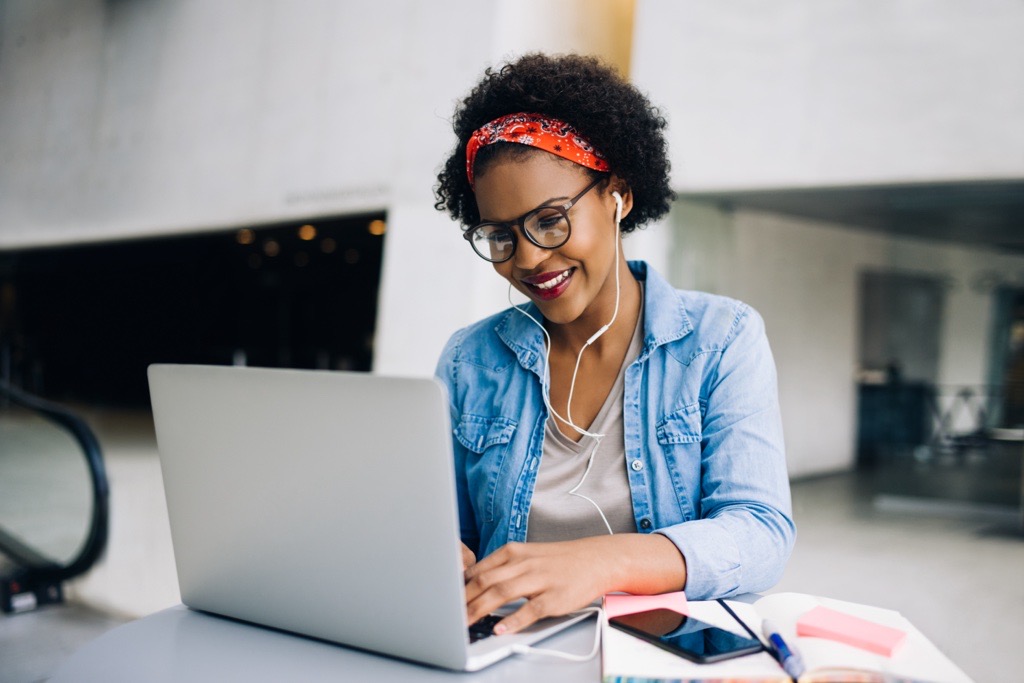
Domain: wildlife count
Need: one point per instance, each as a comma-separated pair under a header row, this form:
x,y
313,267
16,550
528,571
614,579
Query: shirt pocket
x,y
682,426
487,439
679,436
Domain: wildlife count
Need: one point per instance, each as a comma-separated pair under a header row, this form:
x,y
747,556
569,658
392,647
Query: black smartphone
x,y
685,636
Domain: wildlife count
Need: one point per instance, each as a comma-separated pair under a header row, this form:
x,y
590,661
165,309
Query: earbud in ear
x,y
618,207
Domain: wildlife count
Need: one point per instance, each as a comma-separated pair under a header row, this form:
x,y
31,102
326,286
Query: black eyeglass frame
x,y
521,224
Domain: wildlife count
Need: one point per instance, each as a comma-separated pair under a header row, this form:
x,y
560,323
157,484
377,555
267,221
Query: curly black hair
x,y
610,113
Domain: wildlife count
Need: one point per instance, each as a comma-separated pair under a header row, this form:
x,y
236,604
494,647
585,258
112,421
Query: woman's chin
x,y
559,311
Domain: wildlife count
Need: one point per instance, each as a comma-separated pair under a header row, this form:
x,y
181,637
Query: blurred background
x,y
250,183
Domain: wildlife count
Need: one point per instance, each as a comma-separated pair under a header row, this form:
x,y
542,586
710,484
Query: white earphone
x,y
618,218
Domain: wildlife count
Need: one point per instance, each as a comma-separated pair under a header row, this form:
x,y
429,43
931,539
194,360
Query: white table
x,y
179,644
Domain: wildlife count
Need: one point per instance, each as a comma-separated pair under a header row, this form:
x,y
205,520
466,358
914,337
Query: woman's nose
x,y
528,255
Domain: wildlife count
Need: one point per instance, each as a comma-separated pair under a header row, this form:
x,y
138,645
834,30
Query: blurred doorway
x,y
900,324
923,444
1007,358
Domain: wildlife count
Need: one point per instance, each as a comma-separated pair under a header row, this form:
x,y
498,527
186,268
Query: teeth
x,y
553,282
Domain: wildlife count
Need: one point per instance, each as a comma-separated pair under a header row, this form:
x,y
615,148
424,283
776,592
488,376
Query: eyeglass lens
x,y
546,227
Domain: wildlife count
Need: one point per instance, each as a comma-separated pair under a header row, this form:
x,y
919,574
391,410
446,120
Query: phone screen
x,y
685,636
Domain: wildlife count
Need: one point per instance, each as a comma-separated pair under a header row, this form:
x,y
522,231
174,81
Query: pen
x,y
788,657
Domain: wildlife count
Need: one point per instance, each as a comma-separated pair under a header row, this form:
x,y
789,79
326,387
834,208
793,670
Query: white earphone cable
x,y
530,650
545,387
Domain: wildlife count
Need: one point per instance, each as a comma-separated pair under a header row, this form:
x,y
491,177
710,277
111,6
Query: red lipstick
x,y
550,285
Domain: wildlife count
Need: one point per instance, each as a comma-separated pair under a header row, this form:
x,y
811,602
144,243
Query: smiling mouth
x,y
555,281
550,287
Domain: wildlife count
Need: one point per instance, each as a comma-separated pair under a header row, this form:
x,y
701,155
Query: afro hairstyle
x,y
615,117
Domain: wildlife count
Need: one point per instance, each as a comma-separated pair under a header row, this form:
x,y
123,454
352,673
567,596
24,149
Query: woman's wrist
x,y
645,564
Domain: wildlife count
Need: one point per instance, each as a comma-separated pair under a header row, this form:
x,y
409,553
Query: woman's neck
x,y
573,336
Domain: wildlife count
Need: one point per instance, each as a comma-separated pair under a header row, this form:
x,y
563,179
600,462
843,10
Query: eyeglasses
x,y
546,227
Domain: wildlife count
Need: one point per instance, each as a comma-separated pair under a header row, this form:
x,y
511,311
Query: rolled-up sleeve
x,y
744,534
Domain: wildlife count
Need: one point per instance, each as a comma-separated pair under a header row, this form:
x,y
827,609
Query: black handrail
x,y
34,566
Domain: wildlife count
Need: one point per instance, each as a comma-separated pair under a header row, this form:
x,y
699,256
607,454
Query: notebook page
x,y
917,658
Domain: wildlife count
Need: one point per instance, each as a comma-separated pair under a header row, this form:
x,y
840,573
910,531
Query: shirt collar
x,y
665,318
523,336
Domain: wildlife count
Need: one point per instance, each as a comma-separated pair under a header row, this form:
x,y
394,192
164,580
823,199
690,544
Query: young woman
x,y
613,434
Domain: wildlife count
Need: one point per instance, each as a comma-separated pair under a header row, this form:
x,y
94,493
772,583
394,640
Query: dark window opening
x,y
82,323
1008,358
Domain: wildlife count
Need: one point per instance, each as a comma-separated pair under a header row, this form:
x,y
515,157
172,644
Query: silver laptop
x,y
321,503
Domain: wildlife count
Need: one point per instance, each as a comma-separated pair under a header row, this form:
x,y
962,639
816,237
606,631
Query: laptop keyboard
x,y
483,628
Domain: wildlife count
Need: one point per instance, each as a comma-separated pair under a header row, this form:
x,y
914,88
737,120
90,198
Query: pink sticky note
x,y
616,604
822,622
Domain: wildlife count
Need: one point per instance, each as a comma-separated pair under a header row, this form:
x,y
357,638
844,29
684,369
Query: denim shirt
x,y
703,435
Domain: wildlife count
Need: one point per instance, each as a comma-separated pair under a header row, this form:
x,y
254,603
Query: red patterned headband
x,y
535,130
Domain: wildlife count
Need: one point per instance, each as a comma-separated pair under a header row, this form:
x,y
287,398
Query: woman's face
x,y
582,268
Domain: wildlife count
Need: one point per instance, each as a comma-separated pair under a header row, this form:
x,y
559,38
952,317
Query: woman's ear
x,y
617,184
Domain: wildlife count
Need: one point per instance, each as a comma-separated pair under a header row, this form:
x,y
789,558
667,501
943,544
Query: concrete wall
x,y
801,93
134,118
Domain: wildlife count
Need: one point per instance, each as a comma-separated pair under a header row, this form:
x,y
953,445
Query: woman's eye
x,y
550,222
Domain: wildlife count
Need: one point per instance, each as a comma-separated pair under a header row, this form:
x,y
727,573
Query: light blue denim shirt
x,y
703,435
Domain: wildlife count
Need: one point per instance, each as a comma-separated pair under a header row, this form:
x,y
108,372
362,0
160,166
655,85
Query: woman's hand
x,y
468,557
558,578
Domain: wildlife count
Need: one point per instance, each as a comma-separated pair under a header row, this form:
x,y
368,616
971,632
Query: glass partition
x,y
45,489
54,499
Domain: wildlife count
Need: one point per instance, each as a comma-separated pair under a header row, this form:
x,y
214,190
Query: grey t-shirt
x,y
557,516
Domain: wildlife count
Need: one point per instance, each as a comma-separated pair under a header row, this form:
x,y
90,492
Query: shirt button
x,y
636,465
645,523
